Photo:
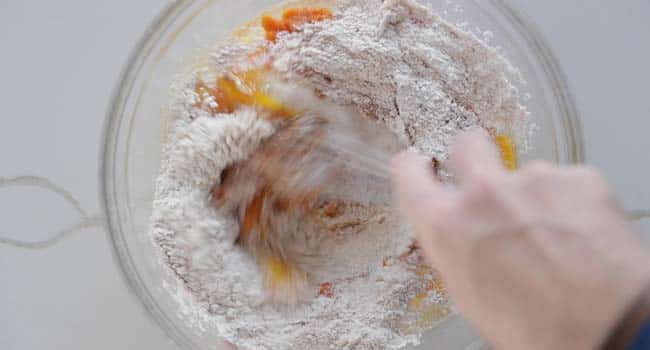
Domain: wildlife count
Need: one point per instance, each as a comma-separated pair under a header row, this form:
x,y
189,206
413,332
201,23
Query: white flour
x,y
402,66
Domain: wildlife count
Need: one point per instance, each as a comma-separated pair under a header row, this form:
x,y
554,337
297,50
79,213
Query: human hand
x,y
540,258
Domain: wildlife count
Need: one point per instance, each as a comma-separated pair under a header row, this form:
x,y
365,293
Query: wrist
x,y
636,316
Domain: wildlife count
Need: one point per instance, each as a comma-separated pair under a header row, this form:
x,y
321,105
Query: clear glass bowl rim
x,y
523,24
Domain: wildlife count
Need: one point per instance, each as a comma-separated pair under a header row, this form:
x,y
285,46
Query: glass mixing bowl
x,y
186,30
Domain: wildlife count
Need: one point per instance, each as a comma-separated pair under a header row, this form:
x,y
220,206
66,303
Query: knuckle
x,y
537,173
591,179
586,172
539,170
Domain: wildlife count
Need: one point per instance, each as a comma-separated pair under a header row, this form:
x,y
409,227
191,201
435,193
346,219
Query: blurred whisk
x,y
365,145
274,190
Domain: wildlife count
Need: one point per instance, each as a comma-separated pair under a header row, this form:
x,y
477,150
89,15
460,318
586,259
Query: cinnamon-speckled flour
x,y
400,65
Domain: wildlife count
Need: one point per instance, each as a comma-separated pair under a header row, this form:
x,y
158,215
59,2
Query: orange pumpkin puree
x,y
291,19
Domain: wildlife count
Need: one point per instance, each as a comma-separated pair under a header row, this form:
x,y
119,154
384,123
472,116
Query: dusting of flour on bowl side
x,y
400,65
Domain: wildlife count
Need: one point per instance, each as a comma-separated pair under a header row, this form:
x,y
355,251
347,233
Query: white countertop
x,y
60,63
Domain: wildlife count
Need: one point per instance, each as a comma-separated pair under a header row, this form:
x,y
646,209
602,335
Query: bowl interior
x,y
185,32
